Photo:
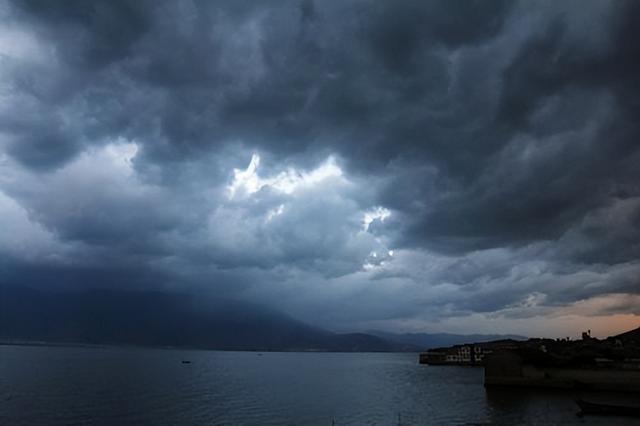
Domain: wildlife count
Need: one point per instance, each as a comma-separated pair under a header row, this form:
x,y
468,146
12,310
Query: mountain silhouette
x,y
151,318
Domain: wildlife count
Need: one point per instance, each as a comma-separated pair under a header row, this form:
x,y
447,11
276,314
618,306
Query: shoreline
x,y
178,348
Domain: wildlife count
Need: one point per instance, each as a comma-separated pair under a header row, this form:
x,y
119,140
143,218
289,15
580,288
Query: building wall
x,y
507,369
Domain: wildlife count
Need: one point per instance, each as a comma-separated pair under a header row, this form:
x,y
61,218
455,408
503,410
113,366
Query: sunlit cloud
x,y
248,181
274,212
377,213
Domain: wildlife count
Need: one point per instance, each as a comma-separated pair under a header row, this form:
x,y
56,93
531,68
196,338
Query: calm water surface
x,y
122,386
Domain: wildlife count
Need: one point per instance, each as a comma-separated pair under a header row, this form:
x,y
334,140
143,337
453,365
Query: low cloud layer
x,y
411,165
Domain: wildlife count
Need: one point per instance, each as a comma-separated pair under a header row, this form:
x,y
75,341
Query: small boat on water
x,y
587,407
184,361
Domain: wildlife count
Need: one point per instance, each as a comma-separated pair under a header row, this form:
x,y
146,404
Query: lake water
x,y
123,386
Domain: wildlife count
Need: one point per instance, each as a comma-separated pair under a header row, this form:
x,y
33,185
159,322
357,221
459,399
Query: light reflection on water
x,y
70,385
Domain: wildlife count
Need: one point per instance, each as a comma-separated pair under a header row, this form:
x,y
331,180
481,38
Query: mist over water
x,y
104,386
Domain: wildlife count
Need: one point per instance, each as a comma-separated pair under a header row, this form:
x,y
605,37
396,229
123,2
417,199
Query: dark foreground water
x,y
122,386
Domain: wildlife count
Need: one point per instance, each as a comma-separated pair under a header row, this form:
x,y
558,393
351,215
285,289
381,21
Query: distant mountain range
x,y
437,340
149,318
158,319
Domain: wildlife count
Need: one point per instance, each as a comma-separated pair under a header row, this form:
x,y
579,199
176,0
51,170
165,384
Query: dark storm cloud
x,y
565,105
501,138
88,34
274,77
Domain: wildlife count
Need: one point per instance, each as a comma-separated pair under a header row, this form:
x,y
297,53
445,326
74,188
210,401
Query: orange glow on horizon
x,y
615,324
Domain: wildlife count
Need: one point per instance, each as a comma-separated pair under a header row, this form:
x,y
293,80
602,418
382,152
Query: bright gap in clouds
x,y
122,153
378,213
274,212
350,223
248,181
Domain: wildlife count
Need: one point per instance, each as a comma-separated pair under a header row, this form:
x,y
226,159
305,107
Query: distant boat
x,y
184,361
607,409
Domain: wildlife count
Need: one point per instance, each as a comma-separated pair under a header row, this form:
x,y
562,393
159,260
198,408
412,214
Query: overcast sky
x,y
460,166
